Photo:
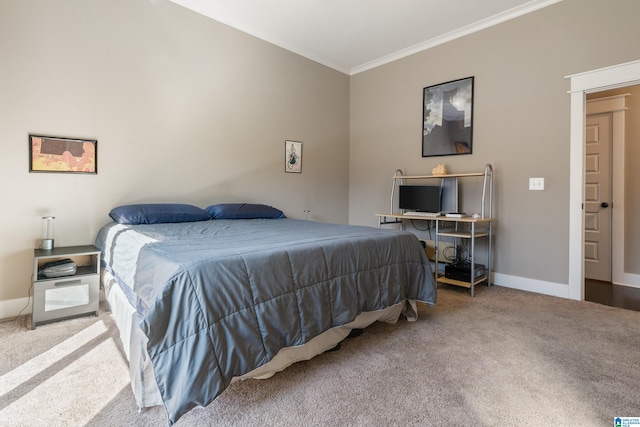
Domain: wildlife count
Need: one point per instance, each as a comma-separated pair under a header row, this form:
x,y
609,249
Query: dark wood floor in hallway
x,y
612,295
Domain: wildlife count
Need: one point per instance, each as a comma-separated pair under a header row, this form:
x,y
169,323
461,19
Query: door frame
x,y
616,76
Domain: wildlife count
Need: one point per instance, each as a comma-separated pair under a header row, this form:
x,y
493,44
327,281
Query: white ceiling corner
x,y
353,36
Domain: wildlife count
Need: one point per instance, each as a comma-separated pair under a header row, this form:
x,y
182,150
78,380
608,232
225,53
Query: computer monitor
x,y
421,198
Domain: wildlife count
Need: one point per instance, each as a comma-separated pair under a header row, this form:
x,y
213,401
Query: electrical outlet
x,y
536,183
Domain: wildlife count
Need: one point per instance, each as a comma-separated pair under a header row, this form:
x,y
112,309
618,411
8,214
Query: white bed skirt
x,y
143,381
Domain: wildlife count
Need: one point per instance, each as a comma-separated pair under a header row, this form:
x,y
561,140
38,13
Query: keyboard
x,y
425,214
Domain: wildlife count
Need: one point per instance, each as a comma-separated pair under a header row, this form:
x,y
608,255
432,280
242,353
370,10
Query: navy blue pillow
x,y
243,211
158,213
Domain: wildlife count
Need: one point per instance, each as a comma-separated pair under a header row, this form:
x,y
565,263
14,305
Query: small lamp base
x,y
46,245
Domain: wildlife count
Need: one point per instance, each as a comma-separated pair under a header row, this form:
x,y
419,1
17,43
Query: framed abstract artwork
x,y
66,155
447,118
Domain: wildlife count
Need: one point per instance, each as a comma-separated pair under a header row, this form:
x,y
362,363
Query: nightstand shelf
x,y
67,296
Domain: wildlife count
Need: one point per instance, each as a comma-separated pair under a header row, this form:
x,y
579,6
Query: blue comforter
x,y
221,298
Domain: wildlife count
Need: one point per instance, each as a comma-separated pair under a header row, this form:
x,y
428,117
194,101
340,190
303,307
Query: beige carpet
x,y
503,358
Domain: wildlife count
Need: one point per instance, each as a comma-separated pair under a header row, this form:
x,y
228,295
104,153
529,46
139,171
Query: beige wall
x,y
184,110
521,123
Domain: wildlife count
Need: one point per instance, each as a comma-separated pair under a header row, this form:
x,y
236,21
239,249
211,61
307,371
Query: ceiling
x,y
352,36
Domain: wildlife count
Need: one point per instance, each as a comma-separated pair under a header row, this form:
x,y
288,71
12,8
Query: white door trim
x,y
591,81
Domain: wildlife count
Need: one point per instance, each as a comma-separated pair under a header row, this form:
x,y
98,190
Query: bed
x,y
201,303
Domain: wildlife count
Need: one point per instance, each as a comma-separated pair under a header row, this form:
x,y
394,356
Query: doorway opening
x,y
605,138
581,84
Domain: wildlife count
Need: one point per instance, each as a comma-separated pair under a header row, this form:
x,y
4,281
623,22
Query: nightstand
x,y
68,296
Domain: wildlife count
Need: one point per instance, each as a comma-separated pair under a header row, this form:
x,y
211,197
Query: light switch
x,y
536,183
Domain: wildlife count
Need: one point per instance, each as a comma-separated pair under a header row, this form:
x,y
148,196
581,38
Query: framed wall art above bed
x,y
67,155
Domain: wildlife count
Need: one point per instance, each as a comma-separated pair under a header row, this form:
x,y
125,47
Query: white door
x,y
597,195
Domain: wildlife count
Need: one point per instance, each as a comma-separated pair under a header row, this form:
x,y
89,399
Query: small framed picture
x,y
293,156
66,155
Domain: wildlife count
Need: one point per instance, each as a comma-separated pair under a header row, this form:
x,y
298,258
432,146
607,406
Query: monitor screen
x,y
425,198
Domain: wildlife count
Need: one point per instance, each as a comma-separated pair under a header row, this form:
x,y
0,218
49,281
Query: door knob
x,y
604,204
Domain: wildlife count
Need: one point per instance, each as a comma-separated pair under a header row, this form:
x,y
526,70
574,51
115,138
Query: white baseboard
x,y
532,285
632,280
13,307
550,288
